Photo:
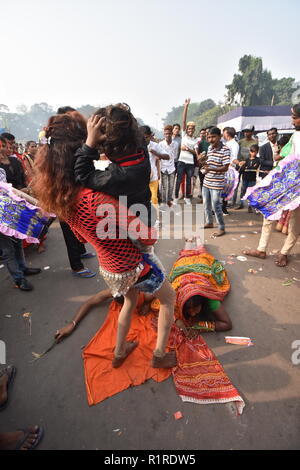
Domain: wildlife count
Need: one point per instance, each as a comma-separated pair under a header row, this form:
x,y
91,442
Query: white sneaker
x,y
176,201
187,201
157,224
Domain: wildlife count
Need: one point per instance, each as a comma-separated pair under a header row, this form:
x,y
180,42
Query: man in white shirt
x,y
186,163
155,155
167,167
229,134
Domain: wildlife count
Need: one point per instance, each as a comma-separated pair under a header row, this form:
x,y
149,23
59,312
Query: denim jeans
x,y
167,186
212,201
188,169
12,255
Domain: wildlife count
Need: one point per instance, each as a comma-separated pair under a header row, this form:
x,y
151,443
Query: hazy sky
x,y
150,54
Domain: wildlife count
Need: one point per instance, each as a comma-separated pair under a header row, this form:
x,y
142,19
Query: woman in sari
x,y
201,284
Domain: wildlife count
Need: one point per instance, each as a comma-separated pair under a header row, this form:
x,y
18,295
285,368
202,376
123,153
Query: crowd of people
x,y
59,176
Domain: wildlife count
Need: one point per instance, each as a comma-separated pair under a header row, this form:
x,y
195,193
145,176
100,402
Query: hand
x,y
242,164
95,136
185,148
63,332
187,101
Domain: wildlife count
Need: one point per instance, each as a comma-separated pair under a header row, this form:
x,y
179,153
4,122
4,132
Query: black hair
x,y
230,131
196,301
123,135
255,147
2,140
283,140
8,136
209,127
65,109
296,109
147,130
203,129
176,124
28,143
273,129
214,131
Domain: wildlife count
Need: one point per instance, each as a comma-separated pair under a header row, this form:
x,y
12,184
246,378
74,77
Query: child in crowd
x,y
249,171
128,175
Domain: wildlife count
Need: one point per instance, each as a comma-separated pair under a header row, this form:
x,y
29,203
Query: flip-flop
x,y
10,372
87,255
85,273
27,432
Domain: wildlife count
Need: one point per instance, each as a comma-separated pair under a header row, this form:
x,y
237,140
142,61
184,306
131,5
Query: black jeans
x,y
188,169
74,247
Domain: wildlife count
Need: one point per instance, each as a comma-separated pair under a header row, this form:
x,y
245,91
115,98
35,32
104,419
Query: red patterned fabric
x,y
116,252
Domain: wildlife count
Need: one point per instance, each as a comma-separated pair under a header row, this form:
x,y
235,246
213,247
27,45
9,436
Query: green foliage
x,y
210,117
195,110
254,85
283,90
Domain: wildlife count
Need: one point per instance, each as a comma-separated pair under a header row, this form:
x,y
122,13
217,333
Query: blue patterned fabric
x,y
153,280
283,189
18,217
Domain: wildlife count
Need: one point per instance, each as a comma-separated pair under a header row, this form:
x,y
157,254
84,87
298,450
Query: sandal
x,y
10,371
87,255
27,432
85,273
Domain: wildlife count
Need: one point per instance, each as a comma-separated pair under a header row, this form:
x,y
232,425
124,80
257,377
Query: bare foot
x,y
129,347
282,261
255,253
168,361
220,233
6,378
21,440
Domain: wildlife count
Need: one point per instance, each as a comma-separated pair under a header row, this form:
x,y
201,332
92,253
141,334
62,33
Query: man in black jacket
x,y
268,153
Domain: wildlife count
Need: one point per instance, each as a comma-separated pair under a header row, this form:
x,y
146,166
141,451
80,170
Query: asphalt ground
x,y
51,391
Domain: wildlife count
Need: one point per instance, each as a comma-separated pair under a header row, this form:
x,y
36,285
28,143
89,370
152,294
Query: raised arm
x,y
185,110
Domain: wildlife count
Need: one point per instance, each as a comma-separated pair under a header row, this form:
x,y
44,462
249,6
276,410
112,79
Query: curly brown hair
x,y
54,182
123,135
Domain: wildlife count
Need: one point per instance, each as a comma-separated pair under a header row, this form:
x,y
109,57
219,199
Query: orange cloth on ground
x,y
102,381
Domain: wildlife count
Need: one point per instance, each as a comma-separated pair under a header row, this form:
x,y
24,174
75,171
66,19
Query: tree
x,y
195,110
4,108
283,90
22,109
252,86
87,110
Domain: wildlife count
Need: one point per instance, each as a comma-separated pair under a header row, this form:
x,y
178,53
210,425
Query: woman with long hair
x,y
124,268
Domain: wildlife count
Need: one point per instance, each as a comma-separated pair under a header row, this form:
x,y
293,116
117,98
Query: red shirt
x,y
107,231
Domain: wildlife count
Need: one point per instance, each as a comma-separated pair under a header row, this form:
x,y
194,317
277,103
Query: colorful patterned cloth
x,y
279,190
19,218
198,377
231,182
197,272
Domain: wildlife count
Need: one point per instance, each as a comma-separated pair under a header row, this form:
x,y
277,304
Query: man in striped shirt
x,y
217,163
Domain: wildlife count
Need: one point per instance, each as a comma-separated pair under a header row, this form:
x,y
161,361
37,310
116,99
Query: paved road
x,y
51,391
